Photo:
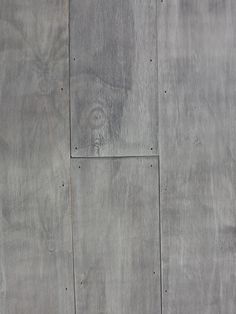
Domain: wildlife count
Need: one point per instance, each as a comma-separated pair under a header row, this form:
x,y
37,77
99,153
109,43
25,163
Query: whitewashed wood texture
x,y
113,62
35,221
197,80
116,235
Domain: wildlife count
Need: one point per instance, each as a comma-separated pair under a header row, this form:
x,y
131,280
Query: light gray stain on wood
x,y
35,225
198,155
113,61
116,235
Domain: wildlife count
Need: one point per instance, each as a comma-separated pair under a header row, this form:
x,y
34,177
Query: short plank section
x,y
113,62
35,226
198,155
116,235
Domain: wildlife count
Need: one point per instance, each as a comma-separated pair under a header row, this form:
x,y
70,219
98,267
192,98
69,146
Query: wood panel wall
x,y
117,157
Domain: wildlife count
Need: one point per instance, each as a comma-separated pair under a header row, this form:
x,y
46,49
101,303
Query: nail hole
x,y
79,167
63,184
81,282
74,59
62,89
151,148
150,60
76,147
165,91
165,290
154,273
151,166
66,289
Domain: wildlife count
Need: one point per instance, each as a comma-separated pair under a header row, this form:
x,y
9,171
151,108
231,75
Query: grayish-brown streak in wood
x,y
35,221
198,155
116,235
113,61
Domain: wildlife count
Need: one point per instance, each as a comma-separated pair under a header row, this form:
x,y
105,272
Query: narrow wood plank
x,y
114,109
116,238
35,225
198,162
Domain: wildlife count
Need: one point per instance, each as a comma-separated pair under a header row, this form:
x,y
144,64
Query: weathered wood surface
x,y
114,110
116,237
35,226
198,155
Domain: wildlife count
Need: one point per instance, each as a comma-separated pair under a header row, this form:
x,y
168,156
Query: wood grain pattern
x,y
114,110
116,238
35,225
198,155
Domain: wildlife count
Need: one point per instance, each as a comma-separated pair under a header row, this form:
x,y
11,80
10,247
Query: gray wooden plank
x,y
116,235
35,221
198,155
113,60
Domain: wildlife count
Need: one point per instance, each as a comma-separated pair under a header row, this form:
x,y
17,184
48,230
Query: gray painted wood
x,y
35,225
116,235
113,61
198,155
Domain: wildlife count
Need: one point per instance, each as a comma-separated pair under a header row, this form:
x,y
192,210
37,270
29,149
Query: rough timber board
x,y
113,61
116,235
35,226
198,155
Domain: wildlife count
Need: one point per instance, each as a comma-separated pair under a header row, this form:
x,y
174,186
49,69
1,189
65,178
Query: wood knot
x,y
97,117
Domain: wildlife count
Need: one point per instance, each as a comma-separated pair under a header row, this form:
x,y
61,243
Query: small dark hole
x,y
66,289
151,166
62,89
165,91
63,184
76,148
165,290
151,148
74,59
150,60
154,273
79,167
81,282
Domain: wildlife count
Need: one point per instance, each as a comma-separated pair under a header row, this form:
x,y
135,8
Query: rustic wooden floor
x,y
117,157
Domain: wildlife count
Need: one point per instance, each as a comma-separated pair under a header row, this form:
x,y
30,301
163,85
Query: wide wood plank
x,y
35,225
116,235
198,155
113,62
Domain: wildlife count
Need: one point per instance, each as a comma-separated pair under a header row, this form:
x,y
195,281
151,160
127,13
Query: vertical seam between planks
x,y
160,230
73,254
159,158
69,73
72,235
72,240
157,82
